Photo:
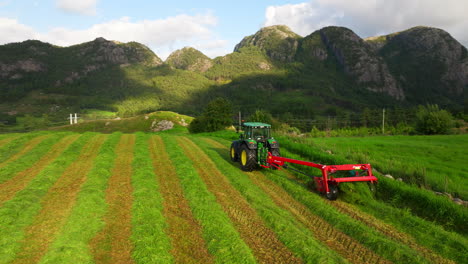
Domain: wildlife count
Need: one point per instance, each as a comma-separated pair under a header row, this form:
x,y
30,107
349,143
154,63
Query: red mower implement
x,y
256,148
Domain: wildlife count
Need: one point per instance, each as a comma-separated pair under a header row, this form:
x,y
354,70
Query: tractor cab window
x,y
262,133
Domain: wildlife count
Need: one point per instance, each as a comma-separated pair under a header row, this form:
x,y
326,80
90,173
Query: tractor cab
x,y
259,132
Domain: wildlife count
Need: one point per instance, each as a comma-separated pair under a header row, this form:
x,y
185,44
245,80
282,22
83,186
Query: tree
x,y
431,120
261,116
216,116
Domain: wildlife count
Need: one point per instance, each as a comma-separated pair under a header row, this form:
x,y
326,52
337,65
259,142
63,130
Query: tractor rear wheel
x,y
333,194
233,154
248,159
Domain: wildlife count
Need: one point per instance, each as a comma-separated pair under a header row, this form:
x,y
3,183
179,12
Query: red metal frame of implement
x,y
326,179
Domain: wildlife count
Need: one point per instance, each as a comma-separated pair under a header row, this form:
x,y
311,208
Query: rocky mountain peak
x,y
360,60
278,42
190,59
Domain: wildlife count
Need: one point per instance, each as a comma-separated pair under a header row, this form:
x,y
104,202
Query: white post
x,y
76,119
71,119
383,121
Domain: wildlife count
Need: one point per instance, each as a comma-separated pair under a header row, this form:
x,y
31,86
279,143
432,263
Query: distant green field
x,y
435,162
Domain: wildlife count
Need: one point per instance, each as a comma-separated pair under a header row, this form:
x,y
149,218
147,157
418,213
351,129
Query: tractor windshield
x,y
263,133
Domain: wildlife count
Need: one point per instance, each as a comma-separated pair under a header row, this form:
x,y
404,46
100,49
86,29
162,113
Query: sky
x,y
214,26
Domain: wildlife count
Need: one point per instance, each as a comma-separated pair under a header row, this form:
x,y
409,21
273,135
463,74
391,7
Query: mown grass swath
x,y
30,157
292,233
85,220
436,208
14,146
151,243
428,234
261,239
368,237
19,212
222,239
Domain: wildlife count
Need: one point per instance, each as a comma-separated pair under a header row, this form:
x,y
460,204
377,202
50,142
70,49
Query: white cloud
x,y
81,7
162,35
373,17
12,31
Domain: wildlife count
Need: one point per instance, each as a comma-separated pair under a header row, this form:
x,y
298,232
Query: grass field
x,y
161,198
434,162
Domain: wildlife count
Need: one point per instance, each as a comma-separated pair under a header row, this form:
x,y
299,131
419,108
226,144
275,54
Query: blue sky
x,y
215,27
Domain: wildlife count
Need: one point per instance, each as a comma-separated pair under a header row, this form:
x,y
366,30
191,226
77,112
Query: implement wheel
x,y
333,194
248,159
233,154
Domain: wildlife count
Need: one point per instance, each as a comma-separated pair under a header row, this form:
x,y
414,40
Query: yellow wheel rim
x,y
244,157
232,153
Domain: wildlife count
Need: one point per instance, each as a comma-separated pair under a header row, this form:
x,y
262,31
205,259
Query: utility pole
x,y
383,121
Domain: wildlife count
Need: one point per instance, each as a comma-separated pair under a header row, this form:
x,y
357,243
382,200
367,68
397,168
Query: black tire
x,y
333,194
233,154
248,159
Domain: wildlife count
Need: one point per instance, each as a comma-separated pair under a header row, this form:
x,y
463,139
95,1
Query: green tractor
x,y
252,148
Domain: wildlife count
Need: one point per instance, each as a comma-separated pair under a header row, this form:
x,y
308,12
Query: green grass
x,y
424,160
223,241
85,220
293,234
421,202
19,212
370,238
141,123
14,146
148,235
28,159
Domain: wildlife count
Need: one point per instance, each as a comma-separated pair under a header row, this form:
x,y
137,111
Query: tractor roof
x,y
256,125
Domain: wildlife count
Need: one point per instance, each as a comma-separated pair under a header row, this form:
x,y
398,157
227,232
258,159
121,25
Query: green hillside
x,y
327,72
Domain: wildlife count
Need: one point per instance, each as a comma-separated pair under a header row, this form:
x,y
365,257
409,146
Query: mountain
x,y
330,72
189,59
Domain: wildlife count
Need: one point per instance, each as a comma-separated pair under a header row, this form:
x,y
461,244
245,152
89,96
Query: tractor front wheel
x,y
248,161
233,154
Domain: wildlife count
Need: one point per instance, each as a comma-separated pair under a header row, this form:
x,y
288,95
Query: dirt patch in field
x,y
346,246
9,188
265,245
26,148
57,204
112,244
188,245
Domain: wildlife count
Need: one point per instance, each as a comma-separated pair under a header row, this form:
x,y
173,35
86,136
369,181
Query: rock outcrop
x,y
278,42
359,60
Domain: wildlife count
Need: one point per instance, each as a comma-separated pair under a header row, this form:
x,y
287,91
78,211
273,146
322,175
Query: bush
x,y
216,116
431,120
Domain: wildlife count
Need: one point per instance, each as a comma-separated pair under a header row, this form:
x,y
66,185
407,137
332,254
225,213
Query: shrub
x,y
216,116
431,120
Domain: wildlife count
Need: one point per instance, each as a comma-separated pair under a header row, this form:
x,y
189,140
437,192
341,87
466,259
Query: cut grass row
x,y
294,234
372,239
56,205
19,212
85,220
29,156
262,240
21,151
112,243
150,241
13,182
223,241
181,223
